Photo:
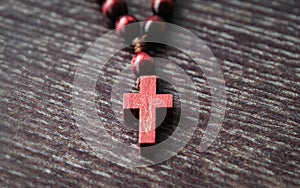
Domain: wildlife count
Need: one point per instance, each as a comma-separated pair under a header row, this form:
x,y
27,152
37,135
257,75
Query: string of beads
x,y
117,11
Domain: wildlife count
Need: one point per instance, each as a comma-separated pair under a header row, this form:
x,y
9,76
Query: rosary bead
x,y
114,8
163,8
154,26
142,64
127,33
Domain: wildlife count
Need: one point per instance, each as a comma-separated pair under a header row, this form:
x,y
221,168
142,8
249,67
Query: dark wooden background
x,y
257,44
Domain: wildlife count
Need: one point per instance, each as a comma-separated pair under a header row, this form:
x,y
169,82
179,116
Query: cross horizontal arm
x,y
132,101
164,101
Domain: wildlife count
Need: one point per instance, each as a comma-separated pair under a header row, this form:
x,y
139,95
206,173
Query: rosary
x,y
142,64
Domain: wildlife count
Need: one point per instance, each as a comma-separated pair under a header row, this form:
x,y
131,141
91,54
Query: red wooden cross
x,y
147,101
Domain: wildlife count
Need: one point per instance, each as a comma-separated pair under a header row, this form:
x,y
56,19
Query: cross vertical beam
x,y
147,101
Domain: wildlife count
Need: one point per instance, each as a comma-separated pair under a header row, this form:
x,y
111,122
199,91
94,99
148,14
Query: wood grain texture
x,y
257,44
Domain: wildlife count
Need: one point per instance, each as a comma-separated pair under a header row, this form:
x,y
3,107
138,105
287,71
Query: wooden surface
x,y
257,44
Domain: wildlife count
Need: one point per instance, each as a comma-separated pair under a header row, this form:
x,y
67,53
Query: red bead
x,y
128,33
114,8
163,8
142,64
154,25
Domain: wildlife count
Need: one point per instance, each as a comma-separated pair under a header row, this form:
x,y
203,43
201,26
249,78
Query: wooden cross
x,y
147,101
